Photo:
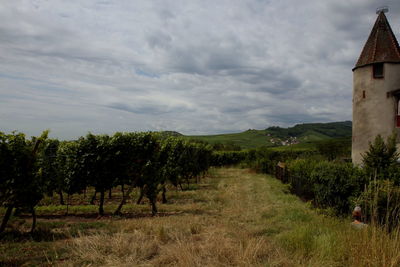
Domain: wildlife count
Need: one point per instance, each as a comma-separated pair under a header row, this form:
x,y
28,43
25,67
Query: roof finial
x,y
383,9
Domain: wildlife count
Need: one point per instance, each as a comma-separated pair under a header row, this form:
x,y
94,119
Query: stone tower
x,y
376,88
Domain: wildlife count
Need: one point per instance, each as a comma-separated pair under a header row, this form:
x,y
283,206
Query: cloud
x,y
198,67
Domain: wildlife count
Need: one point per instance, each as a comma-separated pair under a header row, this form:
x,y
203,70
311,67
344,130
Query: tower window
x,y
378,70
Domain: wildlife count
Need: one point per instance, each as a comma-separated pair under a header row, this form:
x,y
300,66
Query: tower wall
x,y
374,110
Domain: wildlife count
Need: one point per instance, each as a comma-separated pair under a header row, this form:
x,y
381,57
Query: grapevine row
x,y
31,169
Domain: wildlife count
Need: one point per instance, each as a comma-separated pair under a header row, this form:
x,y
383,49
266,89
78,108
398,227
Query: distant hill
x,y
332,129
170,133
277,136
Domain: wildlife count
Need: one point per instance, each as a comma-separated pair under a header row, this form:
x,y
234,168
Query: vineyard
x,y
32,169
81,202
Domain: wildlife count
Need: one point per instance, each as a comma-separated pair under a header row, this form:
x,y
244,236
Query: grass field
x,y
247,139
258,138
305,134
234,217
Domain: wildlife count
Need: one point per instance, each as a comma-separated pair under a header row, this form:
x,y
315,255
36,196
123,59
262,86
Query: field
x,y
233,217
306,134
247,139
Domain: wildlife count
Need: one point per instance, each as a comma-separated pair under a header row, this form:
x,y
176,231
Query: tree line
x,y
33,168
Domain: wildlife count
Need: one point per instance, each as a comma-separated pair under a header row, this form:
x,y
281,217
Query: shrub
x,y
300,177
329,184
393,174
381,156
335,184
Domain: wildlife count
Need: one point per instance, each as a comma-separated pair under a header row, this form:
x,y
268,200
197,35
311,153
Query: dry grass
x,y
374,247
234,218
215,235
169,248
244,219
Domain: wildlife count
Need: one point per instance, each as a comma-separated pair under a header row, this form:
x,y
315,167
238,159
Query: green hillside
x,y
332,129
247,139
276,136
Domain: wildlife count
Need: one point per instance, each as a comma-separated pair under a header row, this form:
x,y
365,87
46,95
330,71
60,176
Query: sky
x,y
192,66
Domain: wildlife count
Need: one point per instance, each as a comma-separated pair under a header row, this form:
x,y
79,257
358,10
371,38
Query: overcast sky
x,y
197,67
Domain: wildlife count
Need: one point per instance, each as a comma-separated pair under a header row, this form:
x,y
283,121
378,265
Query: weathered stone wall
x,y
376,113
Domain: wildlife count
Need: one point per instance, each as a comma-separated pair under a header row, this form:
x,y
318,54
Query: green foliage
x,y
140,160
340,185
328,184
393,174
333,130
381,203
380,157
335,148
299,177
225,142
252,139
96,163
171,151
49,167
265,160
20,184
227,158
334,184
229,146
381,200
70,170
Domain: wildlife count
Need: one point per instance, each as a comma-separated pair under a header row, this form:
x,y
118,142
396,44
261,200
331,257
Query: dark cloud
x,y
192,66
159,40
151,110
147,109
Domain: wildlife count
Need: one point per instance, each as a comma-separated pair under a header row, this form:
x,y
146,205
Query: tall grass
x,y
327,243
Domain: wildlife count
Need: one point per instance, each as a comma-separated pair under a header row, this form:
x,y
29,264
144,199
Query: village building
x,y
376,88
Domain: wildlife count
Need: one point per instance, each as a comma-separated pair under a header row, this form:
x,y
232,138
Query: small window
x,y
378,70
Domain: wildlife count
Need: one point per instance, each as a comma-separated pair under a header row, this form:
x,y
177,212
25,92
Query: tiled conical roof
x,y
381,45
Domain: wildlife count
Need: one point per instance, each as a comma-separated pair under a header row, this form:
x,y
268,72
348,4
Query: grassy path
x,y
219,224
233,218
236,218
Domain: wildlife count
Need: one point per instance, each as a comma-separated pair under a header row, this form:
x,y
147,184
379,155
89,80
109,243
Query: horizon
x,y
187,135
